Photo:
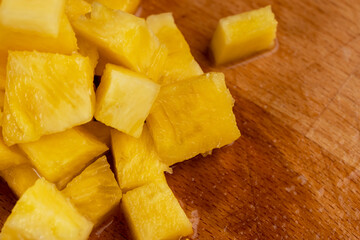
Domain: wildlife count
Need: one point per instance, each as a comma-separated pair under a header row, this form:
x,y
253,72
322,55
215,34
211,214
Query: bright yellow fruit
x,y
61,156
46,93
99,130
136,160
180,64
32,16
64,43
20,177
3,62
242,35
128,6
153,213
10,156
124,99
75,8
2,98
87,49
95,192
43,212
191,117
100,67
124,39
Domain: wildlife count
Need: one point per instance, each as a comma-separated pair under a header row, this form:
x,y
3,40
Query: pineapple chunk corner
x,y
35,16
153,213
242,35
124,99
43,212
191,117
95,192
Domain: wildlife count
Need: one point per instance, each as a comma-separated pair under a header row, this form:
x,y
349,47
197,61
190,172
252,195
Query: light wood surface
x,y
294,172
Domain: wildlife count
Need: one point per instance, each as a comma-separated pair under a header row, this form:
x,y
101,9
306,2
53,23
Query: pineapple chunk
x,y
35,16
10,156
124,39
128,6
20,178
180,64
124,99
86,49
99,130
153,213
136,160
46,93
95,192
244,34
43,212
191,117
64,43
61,156
75,8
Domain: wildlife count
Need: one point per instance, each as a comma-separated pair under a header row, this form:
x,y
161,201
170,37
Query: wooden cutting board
x,y
293,174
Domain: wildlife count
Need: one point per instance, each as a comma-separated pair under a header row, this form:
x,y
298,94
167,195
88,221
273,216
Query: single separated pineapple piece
x,y
191,117
32,16
128,6
242,35
95,192
20,177
46,93
124,99
10,156
98,130
153,213
43,212
61,156
124,39
180,64
136,160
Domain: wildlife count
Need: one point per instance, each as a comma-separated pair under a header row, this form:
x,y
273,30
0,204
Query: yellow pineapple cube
x,y
124,99
64,43
20,178
75,8
61,156
99,130
191,117
10,156
87,49
124,39
95,192
180,64
46,93
242,35
32,16
43,212
136,160
153,213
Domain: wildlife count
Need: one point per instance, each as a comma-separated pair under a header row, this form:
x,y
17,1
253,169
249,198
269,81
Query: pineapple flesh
x,y
2,98
3,62
86,49
242,35
153,213
61,156
136,160
19,178
10,156
98,130
124,99
46,93
191,117
75,8
95,192
124,39
36,16
43,212
128,6
180,64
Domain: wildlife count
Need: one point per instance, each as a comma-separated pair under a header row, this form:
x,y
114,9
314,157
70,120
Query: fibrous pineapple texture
x,y
191,117
43,212
46,93
128,6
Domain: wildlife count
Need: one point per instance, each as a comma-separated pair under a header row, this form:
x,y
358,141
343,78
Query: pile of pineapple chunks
x,y
154,107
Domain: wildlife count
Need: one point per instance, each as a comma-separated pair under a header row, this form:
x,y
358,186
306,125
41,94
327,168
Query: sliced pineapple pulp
x,y
42,212
98,130
128,6
86,49
10,156
95,192
75,8
46,93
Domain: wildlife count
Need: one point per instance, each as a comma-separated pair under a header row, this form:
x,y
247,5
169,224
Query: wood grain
x,y
294,172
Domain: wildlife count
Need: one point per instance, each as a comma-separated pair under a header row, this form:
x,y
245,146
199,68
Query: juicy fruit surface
x,y
180,64
244,34
95,191
46,93
10,156
44,213
88,50
136,160
98,130
61,156
122,38
35,16
20,178
128,6
153,213
75,8
191,117
124,99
